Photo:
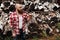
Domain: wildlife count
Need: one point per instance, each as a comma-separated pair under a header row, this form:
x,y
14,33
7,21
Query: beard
x,y
20,11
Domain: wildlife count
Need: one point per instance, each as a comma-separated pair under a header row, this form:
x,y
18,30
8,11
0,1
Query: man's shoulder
x,y
25,13
13,13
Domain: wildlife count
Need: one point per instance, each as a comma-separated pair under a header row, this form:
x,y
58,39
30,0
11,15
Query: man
x,y
17,21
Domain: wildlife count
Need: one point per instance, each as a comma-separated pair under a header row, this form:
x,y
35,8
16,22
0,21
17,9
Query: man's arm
x,y
11,20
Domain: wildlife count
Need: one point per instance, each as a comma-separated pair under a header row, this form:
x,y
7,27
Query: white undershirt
x,y
20,21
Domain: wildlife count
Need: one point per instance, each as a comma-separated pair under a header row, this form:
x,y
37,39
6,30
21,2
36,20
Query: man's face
x,y
19,7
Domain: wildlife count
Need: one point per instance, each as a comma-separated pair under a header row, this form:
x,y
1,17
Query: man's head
x,y
19,7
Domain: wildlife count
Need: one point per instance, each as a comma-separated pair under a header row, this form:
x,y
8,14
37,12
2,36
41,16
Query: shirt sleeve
x,y
11,20
26,16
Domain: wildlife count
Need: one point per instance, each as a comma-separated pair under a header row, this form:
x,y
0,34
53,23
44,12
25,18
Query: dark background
x,y
57,1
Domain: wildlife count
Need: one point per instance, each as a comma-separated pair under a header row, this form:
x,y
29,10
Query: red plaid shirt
x,y
14,22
